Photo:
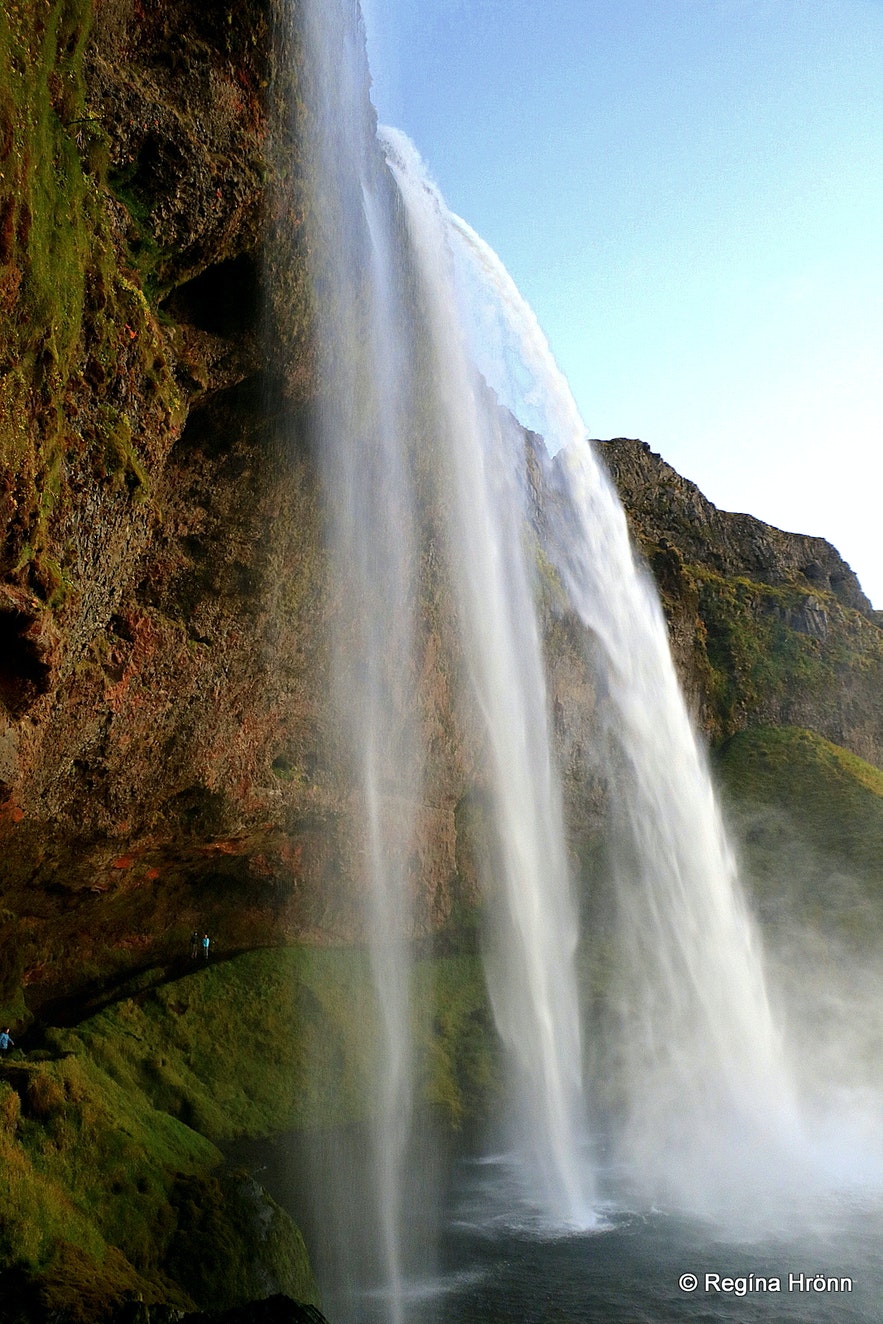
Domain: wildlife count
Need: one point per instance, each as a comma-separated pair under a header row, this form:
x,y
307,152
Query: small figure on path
x,y
194,945
6,1041
205,945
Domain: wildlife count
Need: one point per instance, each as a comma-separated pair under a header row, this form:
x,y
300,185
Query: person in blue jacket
x,y
206,942
6,1041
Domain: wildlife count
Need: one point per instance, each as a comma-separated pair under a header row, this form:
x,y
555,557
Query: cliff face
x,y
663,505
160,527
767,627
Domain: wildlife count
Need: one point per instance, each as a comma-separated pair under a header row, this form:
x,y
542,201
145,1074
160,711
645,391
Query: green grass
x,y
289,1038
833,797
85,1176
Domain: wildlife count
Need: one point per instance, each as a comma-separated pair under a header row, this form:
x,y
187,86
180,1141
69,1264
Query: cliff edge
x,y
767,627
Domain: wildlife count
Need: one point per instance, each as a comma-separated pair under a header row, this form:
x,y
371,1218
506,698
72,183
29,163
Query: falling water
x,y
532,920
363,422
689,1045
394,366
417,322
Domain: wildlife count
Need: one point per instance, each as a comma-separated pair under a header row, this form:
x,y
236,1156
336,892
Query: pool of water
x,y
498,1264
657,1268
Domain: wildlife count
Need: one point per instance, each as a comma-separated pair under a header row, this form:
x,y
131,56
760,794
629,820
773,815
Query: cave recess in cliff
x,y
23,676
223,300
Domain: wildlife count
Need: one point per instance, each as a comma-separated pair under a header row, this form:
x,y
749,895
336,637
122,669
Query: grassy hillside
x,y
809,819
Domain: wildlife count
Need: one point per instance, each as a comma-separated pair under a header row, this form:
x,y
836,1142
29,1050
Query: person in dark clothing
x,y
194,945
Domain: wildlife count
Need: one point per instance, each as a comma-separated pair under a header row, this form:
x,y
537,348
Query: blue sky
x,y
690,195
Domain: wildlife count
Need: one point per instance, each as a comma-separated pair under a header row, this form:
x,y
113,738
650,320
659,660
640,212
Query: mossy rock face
x,y
790,656
232,1242
809,815
110,1191
145,152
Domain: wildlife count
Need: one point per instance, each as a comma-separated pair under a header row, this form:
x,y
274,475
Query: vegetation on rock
x,y
767,628
809,815
111,1180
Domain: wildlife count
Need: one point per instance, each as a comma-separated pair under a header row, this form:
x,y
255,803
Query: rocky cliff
x,y
160,544
167,757
767,627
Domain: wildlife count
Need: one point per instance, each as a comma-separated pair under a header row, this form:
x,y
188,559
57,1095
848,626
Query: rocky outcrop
x,y
664,506
767,627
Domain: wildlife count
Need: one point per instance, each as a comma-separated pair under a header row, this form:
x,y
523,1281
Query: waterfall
x,y
688,1040
363,423
532,925
429,365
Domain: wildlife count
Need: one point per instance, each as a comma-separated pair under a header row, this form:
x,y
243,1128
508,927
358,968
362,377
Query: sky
x,y
689,193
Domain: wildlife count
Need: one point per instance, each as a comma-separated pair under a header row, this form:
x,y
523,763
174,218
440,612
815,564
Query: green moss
x,y
120,456
83,1138
759,654
144,252
109,1170
460,1070
810,818
47,202
74,323
80,1286
288,1038
751,650
216,1216
834,797
96,1193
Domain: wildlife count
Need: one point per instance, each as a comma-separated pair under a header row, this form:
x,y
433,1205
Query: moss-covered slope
x,y
111,1181
808,820
809,816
